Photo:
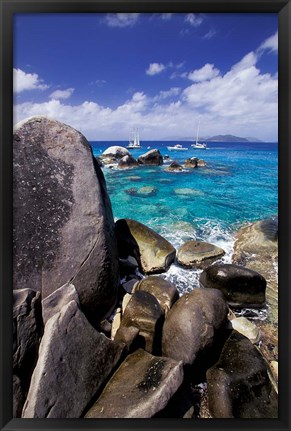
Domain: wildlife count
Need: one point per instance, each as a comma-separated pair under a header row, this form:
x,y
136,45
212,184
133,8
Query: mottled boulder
x,y
53,303
74,360
191,162
152,157
241,286
153,253
198,254
143,311
127,162
192,323
27,330
116,151
256,247
141,387
63,223
164,291
238,384
174,167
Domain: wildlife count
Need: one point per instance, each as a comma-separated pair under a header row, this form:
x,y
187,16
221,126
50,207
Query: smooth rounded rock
x,y
246,328
116,151
198,254
192,323
241,286
191,162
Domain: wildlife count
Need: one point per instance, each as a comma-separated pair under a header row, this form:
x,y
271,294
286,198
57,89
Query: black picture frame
x,y
10,7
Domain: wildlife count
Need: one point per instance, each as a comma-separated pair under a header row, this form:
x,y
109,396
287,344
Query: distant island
x,y
216,138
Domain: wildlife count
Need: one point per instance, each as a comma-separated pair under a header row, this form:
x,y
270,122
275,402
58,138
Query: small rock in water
x,y
174,167
198,254
146,191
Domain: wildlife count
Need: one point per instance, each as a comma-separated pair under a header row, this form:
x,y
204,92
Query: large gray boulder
x,y
238,384
152,157
27,330
63,223
153,253
192,323
74,360
198,254
242,287
141,387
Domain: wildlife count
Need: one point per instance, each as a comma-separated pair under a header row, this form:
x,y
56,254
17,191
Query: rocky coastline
x,y
97,331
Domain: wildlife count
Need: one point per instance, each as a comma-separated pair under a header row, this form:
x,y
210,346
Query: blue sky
x,y
107,73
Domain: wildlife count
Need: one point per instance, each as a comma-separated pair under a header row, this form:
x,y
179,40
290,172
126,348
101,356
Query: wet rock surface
x,y
242,287
198,254
153,253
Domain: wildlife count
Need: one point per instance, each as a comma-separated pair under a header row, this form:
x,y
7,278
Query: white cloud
x,y
270,44
209,35
121,19
243,102
194,19
165,94
208,71
26,81
155,68
62,94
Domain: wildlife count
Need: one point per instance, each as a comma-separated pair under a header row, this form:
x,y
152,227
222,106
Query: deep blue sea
x,y
238,185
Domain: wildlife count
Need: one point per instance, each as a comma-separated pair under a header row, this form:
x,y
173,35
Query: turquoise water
x,y
238,185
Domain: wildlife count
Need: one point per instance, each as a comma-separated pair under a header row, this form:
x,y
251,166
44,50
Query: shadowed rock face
x,y
140,388
152,157
74,360
63,228
153,252
238,384
27,331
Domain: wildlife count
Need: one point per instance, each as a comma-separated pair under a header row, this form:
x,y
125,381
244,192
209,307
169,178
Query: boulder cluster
x,y
121,158
97,331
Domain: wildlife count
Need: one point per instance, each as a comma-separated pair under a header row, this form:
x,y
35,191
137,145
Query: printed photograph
x,y
145,215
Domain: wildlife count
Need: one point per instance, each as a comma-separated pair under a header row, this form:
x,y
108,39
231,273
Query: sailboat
x,y
134,140
199,145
